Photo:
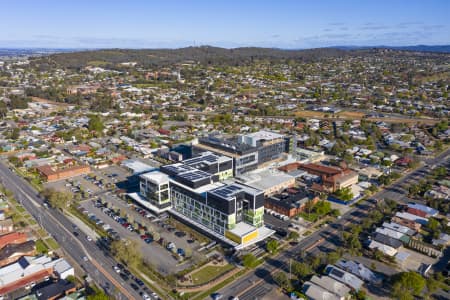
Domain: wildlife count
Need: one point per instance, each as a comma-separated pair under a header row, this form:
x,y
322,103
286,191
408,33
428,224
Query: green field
x,y
209,273
52,243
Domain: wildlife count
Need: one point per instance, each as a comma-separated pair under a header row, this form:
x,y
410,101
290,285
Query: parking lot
x,y
137,225
96,182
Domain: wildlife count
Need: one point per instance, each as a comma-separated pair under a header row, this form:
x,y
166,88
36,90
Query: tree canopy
x,y
95,124
406,285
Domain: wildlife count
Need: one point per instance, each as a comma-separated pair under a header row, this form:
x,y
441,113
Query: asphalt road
x,y
259,281
98,266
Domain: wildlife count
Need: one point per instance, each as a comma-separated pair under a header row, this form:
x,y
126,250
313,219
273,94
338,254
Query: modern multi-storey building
x,y
229,211
220,165
248,151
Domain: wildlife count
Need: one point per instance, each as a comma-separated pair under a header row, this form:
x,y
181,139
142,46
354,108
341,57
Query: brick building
x,y
290,203
50,173
333,178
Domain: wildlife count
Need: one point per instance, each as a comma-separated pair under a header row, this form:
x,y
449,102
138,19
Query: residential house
x,y
347,278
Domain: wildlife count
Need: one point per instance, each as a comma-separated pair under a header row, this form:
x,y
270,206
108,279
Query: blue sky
x,y
230,23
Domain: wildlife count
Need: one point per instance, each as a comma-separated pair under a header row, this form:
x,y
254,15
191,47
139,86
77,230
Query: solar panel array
x,y
209,159
194,175
337,272
177,168
227,191
185,172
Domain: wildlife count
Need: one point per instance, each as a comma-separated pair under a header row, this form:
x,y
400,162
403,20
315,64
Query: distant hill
x,y
419,48
203,55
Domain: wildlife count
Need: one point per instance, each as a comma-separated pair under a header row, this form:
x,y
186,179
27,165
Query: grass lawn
x,y
310,217
208,273
20,208
42,232
52,243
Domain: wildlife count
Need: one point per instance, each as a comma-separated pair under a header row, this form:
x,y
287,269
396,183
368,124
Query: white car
x,y
89,238
145,296
117,269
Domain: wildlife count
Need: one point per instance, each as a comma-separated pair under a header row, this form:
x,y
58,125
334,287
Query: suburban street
x,y
259,282
98,266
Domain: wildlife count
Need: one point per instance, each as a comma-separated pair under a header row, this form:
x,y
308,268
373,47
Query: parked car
x,y
124,276
138,281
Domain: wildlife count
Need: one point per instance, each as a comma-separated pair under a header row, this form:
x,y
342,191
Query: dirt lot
x,y
351,115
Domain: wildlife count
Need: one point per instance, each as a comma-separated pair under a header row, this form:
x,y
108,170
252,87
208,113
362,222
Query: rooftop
x,y
264,135
54,289
326,170
242,229
230,190
226,145
344,277
11,249
265,179
156,177
206,158
136,166
331,285
290,200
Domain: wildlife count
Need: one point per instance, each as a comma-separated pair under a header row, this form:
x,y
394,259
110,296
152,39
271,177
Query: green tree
x,y
332,257
95,124
344,194
58,199
300,269
406,285
272,246
249,261
283,281
127,251
361,295
432,286
293,235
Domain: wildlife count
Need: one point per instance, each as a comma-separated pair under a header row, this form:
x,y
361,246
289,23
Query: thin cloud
x,y
374,27
336,24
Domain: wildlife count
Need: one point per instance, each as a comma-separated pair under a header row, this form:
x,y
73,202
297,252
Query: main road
x,y
98,265
258,282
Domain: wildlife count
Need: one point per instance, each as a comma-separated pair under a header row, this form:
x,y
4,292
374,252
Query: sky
x,y
225,23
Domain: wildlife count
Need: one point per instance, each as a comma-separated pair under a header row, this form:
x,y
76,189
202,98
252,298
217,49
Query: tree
x,y
156,236
127,251
58,199
15,133
95,124
332,257
300,269
272,246
406,285
344,194
361,295
432,285
249,261
283,281
293,235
